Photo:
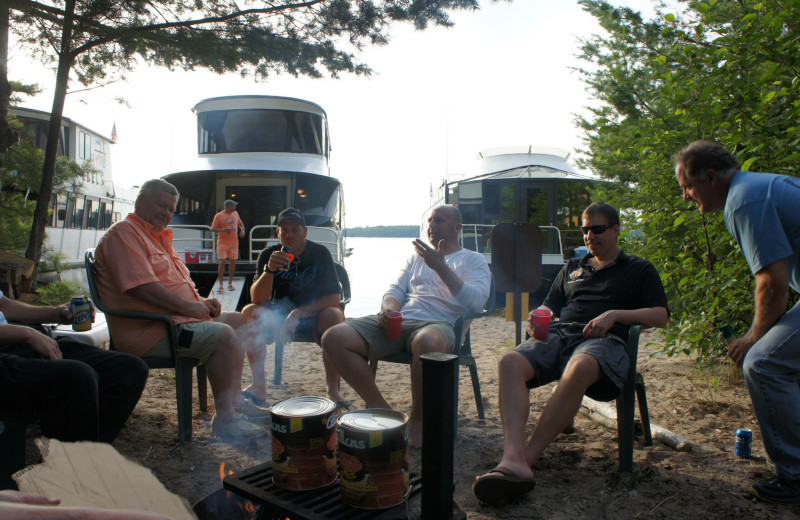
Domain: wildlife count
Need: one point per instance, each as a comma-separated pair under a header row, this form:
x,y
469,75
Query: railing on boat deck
x,y
199,242
478,237
326,236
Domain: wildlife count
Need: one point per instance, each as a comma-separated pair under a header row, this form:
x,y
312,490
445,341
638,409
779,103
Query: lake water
x,y
373,266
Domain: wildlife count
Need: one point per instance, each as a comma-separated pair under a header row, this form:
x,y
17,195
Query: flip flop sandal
x,y
344,406
231,287
220,290
497,489
250,397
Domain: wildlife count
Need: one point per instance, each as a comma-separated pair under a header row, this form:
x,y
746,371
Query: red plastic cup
x,y
540,323
394,324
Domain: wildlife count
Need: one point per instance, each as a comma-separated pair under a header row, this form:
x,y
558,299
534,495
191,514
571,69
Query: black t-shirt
x,y
310,276
581,293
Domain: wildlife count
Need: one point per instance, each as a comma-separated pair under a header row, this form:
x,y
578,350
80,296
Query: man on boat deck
x,y
137,269
437,285
229,228
297,294
597,298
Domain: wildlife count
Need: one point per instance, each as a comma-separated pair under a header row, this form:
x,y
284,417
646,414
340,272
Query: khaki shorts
x,y
228,251
196,339
380,346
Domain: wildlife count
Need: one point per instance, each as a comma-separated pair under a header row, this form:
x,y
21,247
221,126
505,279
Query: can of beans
x,y
81,314
303,443
744,443
373,458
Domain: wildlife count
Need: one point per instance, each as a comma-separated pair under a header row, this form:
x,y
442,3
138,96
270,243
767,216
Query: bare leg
x,y
427,340
348,353
221,272
514,370
256,347
581,372
223,376
231,271
328,318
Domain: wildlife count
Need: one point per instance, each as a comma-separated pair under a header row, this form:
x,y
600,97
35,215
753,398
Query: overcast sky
x,y
501,77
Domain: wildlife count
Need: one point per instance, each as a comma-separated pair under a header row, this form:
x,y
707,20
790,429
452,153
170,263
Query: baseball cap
x,y
230,202
291,213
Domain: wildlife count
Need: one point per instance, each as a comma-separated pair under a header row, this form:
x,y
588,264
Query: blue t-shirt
x,y
762,212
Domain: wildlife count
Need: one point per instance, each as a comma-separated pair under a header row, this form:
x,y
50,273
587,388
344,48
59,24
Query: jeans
x,y
772,372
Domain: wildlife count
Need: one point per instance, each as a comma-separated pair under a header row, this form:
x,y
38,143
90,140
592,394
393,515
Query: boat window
x,y
90,213
572,198
225,131
318,199
74,212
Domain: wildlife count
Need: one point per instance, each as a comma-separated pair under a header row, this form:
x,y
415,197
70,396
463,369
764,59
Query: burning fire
x,y
222,472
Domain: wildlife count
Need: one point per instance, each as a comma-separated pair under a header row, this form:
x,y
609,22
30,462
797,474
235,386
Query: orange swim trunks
x,y
228,251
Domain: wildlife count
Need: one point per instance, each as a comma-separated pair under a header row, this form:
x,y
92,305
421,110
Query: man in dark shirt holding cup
x,y
596,298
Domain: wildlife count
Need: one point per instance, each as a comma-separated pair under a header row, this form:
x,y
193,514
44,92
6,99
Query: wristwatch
x,y
266,270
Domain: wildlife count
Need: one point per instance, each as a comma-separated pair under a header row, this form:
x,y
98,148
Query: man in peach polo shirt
x,y
138,269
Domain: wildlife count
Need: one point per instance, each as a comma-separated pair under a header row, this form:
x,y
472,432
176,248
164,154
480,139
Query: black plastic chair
x,y
183,366
626,402
344,283
463,350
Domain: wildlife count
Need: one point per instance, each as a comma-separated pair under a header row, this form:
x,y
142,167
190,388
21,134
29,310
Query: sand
x,y
577,475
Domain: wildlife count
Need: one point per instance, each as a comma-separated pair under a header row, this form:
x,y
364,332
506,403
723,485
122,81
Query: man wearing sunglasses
x,y
296,290
761,212
597,298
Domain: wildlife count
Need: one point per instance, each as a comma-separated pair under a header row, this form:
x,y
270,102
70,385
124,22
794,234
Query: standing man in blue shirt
x,y
761,212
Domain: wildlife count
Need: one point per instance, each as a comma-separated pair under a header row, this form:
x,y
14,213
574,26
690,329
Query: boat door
x,y
259,202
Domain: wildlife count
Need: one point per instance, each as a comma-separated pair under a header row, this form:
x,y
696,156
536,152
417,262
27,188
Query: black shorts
x,y
549,358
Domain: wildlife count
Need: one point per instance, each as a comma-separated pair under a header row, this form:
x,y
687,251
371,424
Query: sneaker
x,y
235,428
250,409
777,489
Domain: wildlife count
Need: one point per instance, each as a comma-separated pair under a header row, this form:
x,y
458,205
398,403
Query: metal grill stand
x,y
435,501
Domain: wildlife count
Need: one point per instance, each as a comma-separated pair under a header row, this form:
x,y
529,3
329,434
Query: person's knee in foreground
x,y
294,296
439,282
229,228
138,269
597,298
79,392
760,211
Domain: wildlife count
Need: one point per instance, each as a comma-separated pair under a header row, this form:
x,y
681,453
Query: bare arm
x,y
649,316
15,505
23,313
772,293
157,295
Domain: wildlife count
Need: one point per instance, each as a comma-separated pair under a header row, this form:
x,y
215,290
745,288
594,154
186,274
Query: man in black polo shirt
x,y
292,295
596,298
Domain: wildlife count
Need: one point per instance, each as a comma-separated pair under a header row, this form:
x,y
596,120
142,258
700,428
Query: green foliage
x,y
725,71
384,231
56,293
15,221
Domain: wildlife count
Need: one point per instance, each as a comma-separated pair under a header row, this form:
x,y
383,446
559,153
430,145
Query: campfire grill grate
x,y
319,504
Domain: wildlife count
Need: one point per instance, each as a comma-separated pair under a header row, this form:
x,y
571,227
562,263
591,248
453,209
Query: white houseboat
x,y
79,220
522,184
267,153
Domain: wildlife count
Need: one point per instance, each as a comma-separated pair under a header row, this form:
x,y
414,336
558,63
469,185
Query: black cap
x,y
291,213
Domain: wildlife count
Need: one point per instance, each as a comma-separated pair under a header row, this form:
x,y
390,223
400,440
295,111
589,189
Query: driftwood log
x,y
606,414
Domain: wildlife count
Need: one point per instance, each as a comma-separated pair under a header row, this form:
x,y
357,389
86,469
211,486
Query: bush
x,y
56,293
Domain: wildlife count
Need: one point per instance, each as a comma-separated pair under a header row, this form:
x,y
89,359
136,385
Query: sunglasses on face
x,y
597,230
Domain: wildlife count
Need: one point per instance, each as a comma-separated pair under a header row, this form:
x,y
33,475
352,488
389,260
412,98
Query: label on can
x,y
81,314
373,458
303,442
744,442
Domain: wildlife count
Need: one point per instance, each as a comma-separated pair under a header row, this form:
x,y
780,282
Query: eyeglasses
x,y
597,230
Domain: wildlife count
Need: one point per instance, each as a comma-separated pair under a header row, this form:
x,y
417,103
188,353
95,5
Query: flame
x,y
222,472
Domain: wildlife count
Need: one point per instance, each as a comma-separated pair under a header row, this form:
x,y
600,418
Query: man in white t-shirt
x,y
438,283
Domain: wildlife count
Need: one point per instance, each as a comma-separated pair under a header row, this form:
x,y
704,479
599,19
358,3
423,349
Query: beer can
x,y
81,314
744,442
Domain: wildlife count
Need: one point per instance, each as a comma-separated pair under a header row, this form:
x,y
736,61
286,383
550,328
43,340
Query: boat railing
x,y
326,236
202,243
478,237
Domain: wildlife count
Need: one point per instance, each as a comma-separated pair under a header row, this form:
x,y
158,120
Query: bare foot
x,y
414,433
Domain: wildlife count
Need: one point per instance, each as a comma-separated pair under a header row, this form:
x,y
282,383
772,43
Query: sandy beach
x,y
576,478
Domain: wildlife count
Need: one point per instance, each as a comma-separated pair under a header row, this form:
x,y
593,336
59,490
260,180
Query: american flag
x,y
114,132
